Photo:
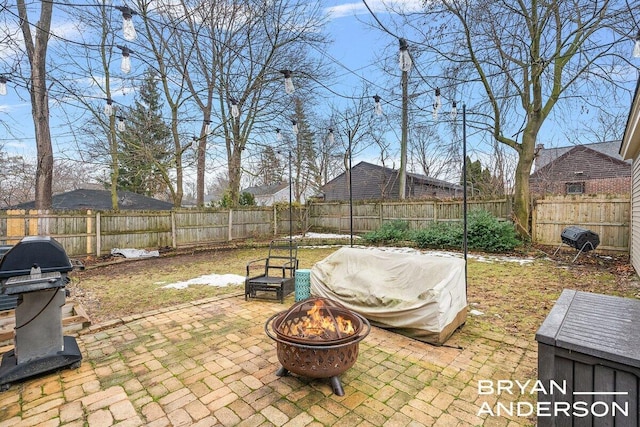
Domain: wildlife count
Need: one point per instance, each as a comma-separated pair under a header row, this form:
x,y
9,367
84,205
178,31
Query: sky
x,y
352,53
357,47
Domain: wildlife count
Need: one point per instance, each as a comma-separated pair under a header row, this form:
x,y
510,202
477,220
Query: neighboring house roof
x,y
266,190
372,181
392,172
101,200
548,155
577,161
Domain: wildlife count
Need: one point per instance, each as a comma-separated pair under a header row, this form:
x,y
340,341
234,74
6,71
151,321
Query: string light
x,y
108,107
278,135
454,110
125,65
405,58
332,139
121,125
294,125
288,82
128,30
235,111
636,48
378,105
437,104
3,85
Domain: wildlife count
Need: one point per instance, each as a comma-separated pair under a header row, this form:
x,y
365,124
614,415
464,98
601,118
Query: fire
x,y
317,325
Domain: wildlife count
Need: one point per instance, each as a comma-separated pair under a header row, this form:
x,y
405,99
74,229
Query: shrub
x,y
389,232
440,235
486,233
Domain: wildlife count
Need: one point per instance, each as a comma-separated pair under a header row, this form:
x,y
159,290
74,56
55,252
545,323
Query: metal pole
x,y
290,201
464,190
403,139
350,193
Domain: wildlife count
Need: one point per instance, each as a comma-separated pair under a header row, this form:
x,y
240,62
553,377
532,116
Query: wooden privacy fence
x,y
369,216
96,233
607,216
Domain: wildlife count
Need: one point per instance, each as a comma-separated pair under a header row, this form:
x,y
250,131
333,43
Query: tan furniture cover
x,y
419,295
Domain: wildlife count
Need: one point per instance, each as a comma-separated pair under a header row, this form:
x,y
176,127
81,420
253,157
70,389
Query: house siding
x,y
634,242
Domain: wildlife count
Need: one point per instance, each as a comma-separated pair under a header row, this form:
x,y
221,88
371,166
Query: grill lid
x,y
42,251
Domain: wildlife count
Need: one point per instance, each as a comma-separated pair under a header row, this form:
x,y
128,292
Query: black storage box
x,y
590,344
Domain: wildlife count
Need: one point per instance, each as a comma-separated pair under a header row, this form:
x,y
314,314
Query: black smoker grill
x,y
579,238
35,270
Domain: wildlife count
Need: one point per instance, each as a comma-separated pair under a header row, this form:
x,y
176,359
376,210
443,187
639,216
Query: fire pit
x,y
317,338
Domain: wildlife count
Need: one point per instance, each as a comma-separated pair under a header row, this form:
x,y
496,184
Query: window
x,y
575,188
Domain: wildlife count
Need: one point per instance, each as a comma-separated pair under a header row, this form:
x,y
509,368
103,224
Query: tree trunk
x,y
37,53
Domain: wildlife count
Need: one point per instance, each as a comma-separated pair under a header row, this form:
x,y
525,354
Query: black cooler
x,y
35,270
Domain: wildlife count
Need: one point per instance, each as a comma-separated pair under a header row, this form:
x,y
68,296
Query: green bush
x,y
440,235
389,232
486,233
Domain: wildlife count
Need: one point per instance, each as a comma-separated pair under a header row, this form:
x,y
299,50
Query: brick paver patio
x,y
210,363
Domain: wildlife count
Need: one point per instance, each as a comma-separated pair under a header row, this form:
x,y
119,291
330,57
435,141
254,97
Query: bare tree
x,y
526,59
37,53
231,55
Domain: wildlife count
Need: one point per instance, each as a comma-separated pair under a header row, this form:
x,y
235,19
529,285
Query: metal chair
x,y
275,273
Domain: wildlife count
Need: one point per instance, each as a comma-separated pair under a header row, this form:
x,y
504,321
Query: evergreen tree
x,y
270,167
145,143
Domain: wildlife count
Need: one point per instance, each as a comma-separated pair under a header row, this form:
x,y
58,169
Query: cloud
x,y
377,6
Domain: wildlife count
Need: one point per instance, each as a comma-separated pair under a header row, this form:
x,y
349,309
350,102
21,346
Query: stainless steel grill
x,y
35,272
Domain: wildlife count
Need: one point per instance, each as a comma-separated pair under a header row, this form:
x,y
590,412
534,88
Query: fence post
x,y
89,234
230,225
275,221
98,236
174,231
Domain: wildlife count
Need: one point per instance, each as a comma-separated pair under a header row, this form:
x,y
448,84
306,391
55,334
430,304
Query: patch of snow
x,y
219,280
325,236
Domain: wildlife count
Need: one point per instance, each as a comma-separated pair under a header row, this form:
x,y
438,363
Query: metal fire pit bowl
x,y
317,359
285,322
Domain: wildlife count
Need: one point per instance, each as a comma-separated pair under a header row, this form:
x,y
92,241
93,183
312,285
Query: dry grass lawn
x,y
514,297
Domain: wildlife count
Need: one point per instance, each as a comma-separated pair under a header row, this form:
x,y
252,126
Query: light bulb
x,y
235,110
332,139
294,124
108,108
125,65
278,135
438,100
3,85
128,29
288,82
121,125
378,105
636,48
404,58
454,110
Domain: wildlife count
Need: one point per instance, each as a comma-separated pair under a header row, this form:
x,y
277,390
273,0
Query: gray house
x,y
374,182
630,150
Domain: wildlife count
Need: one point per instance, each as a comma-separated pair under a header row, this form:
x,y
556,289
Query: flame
x,y
317,324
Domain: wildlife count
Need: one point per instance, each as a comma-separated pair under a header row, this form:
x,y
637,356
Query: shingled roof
x,y
101,200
